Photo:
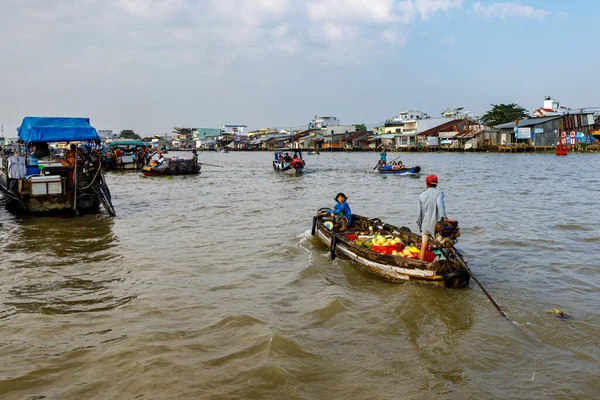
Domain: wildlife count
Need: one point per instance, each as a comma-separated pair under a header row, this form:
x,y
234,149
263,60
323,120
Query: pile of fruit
x,y
388,244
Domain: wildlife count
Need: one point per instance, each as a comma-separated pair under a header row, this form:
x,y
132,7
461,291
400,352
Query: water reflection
x,y
63,265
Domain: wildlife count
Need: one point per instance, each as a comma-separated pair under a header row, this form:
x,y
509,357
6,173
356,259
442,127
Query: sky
x,y
151,65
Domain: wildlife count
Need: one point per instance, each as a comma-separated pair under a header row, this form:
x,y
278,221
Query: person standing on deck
x,y
431,210
382,157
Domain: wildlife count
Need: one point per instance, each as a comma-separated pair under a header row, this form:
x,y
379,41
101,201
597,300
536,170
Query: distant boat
x,y
387,169
313,153
294,165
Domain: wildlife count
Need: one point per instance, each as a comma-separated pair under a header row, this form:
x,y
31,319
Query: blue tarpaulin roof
x,y
56,129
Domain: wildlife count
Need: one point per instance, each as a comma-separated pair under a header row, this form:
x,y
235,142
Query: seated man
x,y
341,212
287,158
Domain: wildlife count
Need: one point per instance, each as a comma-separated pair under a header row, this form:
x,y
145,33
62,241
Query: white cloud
x,y
427,7
508,10
351,10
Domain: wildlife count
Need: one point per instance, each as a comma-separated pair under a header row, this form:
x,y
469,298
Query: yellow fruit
x,y
406,252
394,253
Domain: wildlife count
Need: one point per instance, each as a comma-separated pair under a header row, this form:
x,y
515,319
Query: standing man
x,y
431,210
382,157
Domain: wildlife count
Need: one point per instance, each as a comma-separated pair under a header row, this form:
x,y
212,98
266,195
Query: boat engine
x,y
447,233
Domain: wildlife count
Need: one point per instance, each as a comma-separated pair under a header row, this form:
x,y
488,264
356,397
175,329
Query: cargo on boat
x,y
391,253
172,166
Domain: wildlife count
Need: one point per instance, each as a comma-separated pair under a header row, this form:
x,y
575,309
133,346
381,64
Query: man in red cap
x,y
431,210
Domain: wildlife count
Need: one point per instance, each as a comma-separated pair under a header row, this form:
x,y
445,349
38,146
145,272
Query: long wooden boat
x,y
173,166
441,269
47,185
387,169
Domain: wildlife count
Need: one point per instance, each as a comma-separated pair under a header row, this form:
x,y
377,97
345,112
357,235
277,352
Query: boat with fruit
x,y
389,169
391,253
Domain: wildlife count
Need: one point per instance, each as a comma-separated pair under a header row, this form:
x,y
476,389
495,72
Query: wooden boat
x,y
47,185
387,169
441,269
295,165
313,153
172,166
132,155
562,149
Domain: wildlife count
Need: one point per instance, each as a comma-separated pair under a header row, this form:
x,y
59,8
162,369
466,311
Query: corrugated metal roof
x,y
528,122
429,123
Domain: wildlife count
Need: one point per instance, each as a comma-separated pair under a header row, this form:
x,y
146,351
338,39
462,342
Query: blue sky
x,y
149,65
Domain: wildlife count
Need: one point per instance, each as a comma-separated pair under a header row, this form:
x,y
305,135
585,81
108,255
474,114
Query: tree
x,y
360,127
501,113
129,134
183,131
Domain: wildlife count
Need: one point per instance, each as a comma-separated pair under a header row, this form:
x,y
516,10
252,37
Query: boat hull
x,y
405,171
393,268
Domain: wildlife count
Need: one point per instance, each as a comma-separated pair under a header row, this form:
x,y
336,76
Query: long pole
x,y
75,183
460,260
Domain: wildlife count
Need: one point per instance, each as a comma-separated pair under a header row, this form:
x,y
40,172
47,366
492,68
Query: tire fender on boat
x,y
333,246
314,226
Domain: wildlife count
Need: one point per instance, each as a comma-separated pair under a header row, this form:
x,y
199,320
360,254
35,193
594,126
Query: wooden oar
x,y
211,165
390,162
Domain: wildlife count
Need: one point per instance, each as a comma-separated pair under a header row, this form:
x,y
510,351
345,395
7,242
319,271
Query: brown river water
x,y
211,287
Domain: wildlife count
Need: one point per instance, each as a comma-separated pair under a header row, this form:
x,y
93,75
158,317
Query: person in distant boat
x,y
194,158
382,157
431,210
394,165
341,212
160,160
287,158
399,165
118,152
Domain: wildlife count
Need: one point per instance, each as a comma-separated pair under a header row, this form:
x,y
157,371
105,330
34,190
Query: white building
x,y
410,115
323,122
234,129
551,108
106,134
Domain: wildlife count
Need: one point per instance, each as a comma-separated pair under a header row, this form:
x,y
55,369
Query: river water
x,y
211,287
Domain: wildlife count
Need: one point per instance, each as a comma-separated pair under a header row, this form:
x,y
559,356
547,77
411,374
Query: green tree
x,y
129,134
501,113
360,127
183,131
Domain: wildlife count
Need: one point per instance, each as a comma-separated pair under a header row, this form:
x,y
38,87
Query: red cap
x,y
431,179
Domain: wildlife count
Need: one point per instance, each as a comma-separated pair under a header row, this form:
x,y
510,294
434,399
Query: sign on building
x,y
432,141
523,133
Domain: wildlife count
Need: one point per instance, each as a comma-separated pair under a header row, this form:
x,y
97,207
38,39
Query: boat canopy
x,y
56,129
128,143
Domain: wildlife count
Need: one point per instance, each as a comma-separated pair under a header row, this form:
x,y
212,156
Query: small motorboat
x,y
391,253
282,161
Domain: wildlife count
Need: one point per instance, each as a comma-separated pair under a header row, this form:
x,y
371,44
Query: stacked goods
x,y
391,245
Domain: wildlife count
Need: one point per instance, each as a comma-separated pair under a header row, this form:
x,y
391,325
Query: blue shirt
x,y
431,210
383,156
344,209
